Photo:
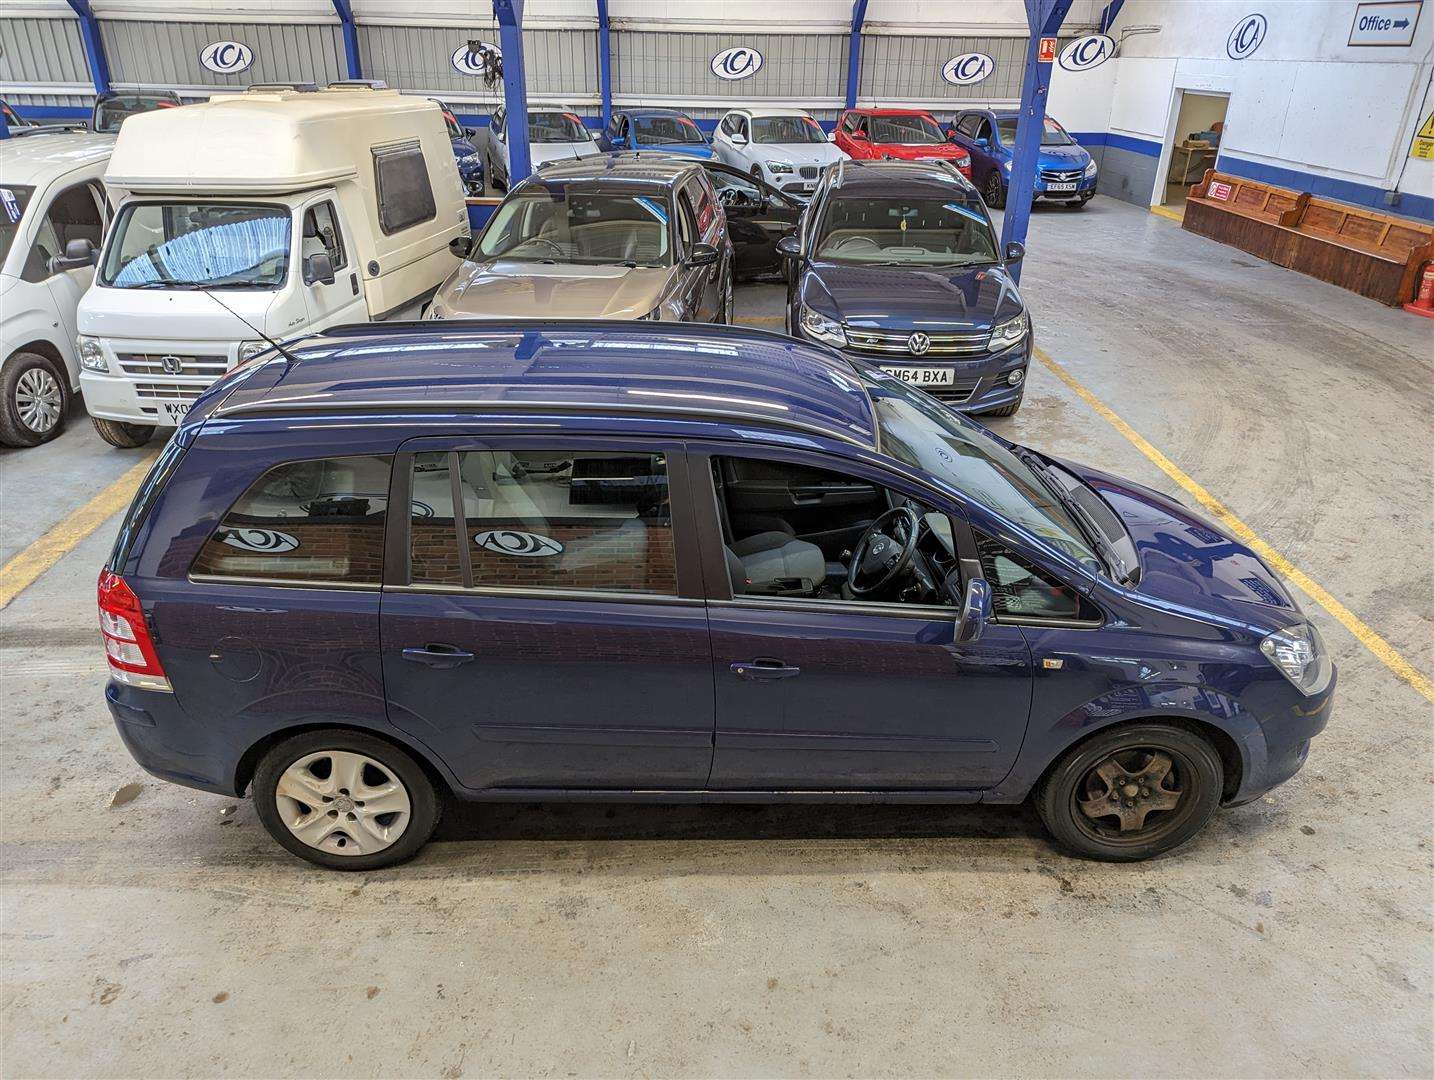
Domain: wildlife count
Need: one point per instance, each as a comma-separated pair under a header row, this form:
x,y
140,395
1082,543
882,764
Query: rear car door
x,y
543,625
758,215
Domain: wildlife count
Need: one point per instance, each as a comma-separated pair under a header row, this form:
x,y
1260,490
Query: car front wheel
x,y
36,399
1132,793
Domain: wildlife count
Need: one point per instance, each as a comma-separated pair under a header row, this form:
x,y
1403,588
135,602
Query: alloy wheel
x,y
39,401
1132,793
343,802
994,194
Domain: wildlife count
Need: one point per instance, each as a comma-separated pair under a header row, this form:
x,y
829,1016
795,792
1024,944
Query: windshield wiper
x,y
1078,513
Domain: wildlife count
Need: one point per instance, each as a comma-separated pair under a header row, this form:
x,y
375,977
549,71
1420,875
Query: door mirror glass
x,y
460,246
975,612
1015,251
789,247
78,253
831,136
738,139
702,255
318,268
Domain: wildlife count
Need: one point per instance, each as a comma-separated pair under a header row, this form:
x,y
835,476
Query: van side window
x,y
544,520
314,521
73,214
321,234
1019,588
405,194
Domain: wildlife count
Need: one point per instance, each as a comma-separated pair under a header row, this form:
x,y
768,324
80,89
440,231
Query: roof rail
x,y
356,84
301,87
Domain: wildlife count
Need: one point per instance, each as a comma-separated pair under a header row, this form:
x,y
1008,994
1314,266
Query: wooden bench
x,y
1374,254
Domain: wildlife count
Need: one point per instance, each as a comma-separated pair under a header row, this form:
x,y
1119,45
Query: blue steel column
x,y
604,62
853,53
94,46
1045,18
515,87
1108,15
345,12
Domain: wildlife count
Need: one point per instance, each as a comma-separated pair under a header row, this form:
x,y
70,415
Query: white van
x,y
50,198
282,208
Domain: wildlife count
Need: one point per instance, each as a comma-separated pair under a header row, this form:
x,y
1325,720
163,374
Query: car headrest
x,y
736,572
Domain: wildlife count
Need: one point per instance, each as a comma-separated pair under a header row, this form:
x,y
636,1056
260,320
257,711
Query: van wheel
x,y
125,436
1132,793
36,400
345,800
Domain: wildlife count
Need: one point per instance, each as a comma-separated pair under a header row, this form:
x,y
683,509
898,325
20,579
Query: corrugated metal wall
x,y
560,64
42,51
909,68
665,65
167,53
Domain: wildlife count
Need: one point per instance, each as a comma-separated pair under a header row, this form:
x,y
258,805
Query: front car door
x,y
542,621
817,692
321,231
76,211
758,215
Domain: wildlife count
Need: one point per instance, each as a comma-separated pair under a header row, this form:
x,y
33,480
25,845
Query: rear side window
x,y
543,520
405,195
317,521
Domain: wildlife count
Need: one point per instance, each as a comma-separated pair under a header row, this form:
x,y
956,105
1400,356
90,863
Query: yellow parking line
x,y
1166,212
1384,651
753,320
21,572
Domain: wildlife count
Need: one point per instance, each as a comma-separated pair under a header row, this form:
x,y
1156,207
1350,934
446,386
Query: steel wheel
x,y
39,401
343,803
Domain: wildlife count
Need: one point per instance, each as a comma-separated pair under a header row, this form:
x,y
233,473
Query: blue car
x,y
1065,171
469,161
662,562
898,265
655,129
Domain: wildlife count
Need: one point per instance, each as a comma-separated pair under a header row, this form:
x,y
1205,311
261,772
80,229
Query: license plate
x,y
175,410
805,189
923,376
1061,187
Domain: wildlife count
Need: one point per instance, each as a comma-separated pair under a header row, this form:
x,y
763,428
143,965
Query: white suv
x,y
782,147
51,199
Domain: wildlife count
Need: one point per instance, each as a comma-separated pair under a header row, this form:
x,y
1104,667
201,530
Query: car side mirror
x,y
469,133
982,141
318,267
789,247
831,135
78,253
738,139
1015,251
975,612
703,255
460,246
859,136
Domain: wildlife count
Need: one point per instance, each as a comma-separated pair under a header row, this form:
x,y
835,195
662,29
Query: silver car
x,y
783,147
606,238
555,132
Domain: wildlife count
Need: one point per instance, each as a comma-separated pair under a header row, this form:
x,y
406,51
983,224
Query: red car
x,y
899,134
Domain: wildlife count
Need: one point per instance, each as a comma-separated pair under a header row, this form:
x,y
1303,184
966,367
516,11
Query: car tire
x,y
37,399
1134,771
1006,410
299,764
123,435
729,301
993,190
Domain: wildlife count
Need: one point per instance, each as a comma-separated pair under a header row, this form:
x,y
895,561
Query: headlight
x,y
248,350
776,168
92,357
819,328
1090,170
1299,652
470,159
1009,332
1007,165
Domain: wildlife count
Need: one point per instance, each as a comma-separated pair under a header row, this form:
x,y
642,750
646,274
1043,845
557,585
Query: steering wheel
x,y
551,243
884,551
851,243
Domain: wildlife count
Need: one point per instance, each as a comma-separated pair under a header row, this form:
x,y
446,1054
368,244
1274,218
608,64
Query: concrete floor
x,y
169,936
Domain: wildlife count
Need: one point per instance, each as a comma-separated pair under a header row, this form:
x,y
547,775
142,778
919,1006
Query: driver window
x,y
72,215
321,234
794,531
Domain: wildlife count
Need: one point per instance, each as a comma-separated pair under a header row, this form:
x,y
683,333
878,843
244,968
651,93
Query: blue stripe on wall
x,y
1328,187
1146,147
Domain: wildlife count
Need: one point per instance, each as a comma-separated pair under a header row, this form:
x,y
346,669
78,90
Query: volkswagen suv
x,y
633,561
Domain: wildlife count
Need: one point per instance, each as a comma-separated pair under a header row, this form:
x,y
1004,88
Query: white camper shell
x,y
297,209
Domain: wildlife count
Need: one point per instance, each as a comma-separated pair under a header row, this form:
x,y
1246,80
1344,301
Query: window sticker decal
x,y
524,545
266,541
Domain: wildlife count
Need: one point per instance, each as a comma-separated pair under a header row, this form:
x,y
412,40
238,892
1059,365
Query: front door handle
x,y
437,655
764,669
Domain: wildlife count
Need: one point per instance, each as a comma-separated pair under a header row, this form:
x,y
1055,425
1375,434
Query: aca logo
x,y
523,544
1087,52
1246,36
468,61
265,541
227,57
738,62
967,69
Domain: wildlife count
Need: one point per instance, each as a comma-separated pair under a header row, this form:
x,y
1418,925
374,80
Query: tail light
x,y
128,646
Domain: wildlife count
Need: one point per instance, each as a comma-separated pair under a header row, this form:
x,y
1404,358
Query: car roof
x,y
38,158
645,168
726,375
902,178
872,111
643,111
758,113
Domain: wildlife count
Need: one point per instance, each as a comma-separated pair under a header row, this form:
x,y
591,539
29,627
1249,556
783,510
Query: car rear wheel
x,y
36,400
125,436
729,301
345,800
1132,793
994,191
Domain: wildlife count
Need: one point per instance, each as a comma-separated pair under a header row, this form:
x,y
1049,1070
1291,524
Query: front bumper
x,y
1286,727
138,390
795,183
1084,189
976,384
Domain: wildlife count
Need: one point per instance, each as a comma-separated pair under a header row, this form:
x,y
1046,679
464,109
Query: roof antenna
x,y
289,357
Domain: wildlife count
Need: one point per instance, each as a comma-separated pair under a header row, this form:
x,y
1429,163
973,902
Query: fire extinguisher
x,y
1424,302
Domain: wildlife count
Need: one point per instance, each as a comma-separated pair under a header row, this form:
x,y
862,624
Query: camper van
x,y
271,213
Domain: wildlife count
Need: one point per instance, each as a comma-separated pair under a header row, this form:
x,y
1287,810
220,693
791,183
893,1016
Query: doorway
x,y
1195,143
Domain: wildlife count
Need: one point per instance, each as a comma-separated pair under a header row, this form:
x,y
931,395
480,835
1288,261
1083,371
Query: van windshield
x,y
564,224
13,200
180,245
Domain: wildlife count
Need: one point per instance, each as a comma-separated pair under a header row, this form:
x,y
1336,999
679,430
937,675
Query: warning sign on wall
x,y
1423,146
1046,52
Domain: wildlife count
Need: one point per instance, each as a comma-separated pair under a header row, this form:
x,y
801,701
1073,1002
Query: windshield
x,y
178,244
569,225
905,232
13,200
556,127
917,429
786,129
666,131
906,130
1052,135
112,112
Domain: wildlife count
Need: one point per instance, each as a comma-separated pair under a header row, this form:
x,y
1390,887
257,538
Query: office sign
x,y
967,69
1385,23
738,62
1087,52
226,57
1247,36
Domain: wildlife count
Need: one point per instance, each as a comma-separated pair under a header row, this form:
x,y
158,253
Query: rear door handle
x,y
763,669
437,655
